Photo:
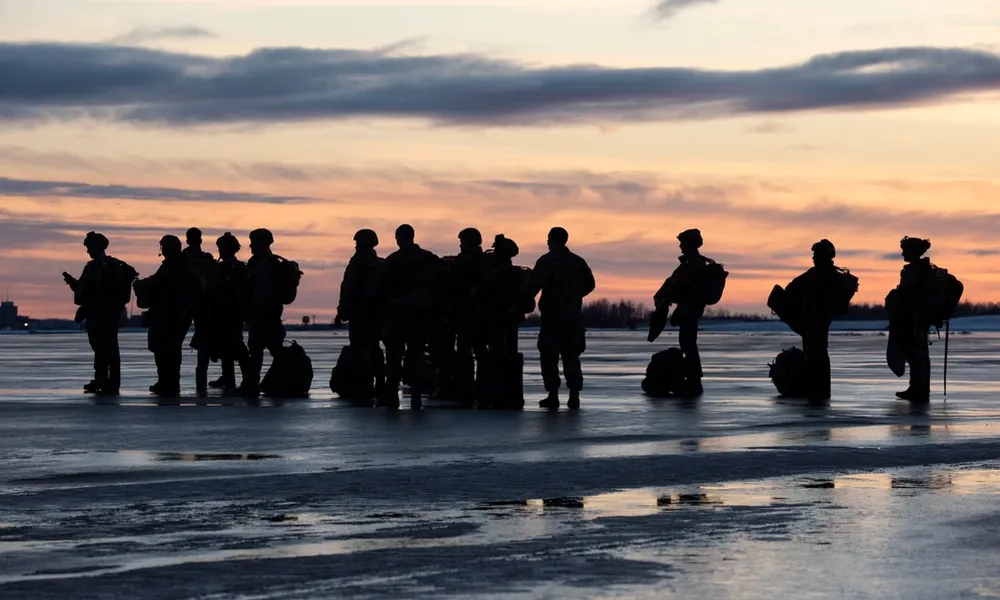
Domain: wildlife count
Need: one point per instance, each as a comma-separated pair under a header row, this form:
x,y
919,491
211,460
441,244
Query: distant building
x,y
8,316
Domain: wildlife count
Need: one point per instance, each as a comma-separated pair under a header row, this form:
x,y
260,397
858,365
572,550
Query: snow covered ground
x,y
738,495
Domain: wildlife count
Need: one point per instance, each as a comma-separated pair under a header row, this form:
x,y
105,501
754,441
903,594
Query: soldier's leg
x,y
360,340
688,341
548,354
94,336
572,344
256,344
112,358
201,371
815,344
920,366
416,354
395,347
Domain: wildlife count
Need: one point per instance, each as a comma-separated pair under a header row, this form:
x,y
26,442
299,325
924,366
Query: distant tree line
x,y
626,314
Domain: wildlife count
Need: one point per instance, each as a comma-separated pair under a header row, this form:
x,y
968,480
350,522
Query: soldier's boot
x,y
222,383
92,388
201,382
416,402
551,402
915,395
574,400
389,398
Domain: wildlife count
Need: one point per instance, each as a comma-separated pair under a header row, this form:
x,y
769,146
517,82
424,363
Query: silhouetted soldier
x,y
408,289
500,300
818,294
170,295
564,280
102,293
467,272
202,265
264,309
685,289
908,321
359,306
220,333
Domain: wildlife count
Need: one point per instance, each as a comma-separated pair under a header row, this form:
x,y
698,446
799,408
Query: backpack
x,y
665,374
348,380
714,283
122,289
790,373
290,374
942,296
839,301
289,277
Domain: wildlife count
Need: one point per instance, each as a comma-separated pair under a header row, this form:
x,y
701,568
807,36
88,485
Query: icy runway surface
x,y
738,495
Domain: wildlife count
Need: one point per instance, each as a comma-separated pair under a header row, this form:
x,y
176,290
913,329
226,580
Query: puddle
x,y
197,457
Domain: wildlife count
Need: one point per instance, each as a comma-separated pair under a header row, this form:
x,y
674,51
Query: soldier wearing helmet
x,y
202,265
359,306
813,299
264,309
684,289
170,295
219,325
101,292
464,341
908,323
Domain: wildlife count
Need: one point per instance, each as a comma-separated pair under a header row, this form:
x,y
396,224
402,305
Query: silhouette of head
x,y
228,245
365,239
690,240
260,241
96,244
405,236
558,238
824,252
504,247
194,237
914,248
470,238
170,246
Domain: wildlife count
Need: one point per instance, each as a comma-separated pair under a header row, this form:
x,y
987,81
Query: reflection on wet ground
x,y
738,494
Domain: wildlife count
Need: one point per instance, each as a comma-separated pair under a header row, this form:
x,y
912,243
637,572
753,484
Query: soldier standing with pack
x,y
564,279
926,296
265,306
359,307
467,273
408,286
102,292
169,294
222,330
814,298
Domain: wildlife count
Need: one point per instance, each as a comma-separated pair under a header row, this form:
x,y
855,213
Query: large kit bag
x,y
500,381
290,374
790,373
349,378
665,374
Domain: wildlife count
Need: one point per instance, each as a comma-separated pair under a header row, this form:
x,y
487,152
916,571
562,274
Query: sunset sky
x,y
768,124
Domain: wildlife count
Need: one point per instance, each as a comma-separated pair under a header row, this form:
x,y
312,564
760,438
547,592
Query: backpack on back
x,y
714,282
942,296
126,277
839,301
289,277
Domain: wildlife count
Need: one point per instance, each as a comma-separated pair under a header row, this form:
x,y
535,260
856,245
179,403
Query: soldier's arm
x,y
540,277
347,288
589,283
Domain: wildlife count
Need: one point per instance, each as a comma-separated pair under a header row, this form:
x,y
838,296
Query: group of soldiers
x,y
219,297
442,320
449,324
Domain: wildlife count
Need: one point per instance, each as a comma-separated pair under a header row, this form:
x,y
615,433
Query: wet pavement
x,y
738,495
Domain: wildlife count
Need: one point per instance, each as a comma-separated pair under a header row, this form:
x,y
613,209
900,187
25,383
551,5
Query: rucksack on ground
x,y
290,374
714,282
289,276
790,373
348,379
500,381
665,374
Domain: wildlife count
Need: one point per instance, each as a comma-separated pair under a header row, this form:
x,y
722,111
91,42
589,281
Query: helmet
x,y
228,240
471,235
824,249
914,245
95,240
170,245
691,237
264,236
366,238
505,247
